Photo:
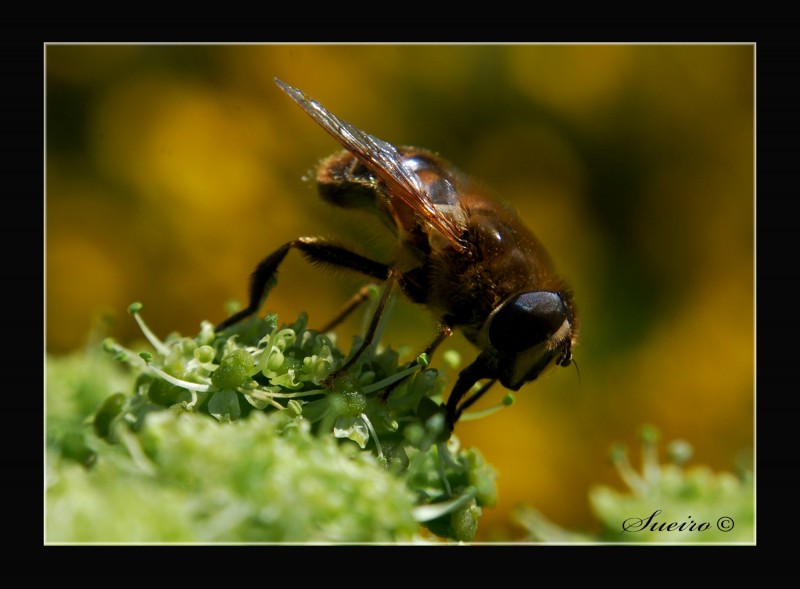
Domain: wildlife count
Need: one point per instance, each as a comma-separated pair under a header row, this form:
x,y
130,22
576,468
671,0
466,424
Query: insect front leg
x,y
314,249
466,379
474,397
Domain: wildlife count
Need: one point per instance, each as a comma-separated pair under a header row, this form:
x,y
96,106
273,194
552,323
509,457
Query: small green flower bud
x,y
275,361
110,408
465,522
414,433
389,424
649,434
482,477
365,378
679,452
204,354
207,334
452,359
347,401
167,394
73,446
187,346
234,370
232,306
617,453
294,408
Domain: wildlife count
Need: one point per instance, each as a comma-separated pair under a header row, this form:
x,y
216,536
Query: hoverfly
x,y
475,264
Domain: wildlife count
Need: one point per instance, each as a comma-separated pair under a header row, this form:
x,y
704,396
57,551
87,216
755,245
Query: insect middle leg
x,y
351,305
314,249
372,329
466,403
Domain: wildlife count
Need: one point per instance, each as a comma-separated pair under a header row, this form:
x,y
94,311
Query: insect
x,y
474,264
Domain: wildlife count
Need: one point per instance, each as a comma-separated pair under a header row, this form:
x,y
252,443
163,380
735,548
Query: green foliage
x,y
665,503
240,437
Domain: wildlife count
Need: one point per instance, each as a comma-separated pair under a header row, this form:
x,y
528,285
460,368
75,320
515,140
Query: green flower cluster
x,y
261,479
233,437
665,503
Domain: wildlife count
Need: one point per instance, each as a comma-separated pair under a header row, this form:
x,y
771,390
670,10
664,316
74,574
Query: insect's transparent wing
x,y
382,159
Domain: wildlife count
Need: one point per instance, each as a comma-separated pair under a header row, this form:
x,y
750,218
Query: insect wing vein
x,y
382,159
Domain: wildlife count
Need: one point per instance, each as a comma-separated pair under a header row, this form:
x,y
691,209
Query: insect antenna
x,y
575,363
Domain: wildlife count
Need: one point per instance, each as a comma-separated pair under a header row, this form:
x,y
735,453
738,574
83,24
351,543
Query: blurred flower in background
x,y
666,502
172,170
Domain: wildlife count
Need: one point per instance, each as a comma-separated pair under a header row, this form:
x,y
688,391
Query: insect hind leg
x,y
314,249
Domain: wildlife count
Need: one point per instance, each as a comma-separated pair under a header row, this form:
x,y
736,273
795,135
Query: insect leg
x,y
358,298
474,397
316,250
442,334
373,326
466,379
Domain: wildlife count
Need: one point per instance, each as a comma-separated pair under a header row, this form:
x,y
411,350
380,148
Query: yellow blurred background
x,y
172,170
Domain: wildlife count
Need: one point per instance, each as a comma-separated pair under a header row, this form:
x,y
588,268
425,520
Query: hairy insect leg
x,y
315,250
369,336
442,334
351,305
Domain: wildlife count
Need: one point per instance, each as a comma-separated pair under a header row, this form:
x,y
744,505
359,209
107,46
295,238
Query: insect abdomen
x,y
345,182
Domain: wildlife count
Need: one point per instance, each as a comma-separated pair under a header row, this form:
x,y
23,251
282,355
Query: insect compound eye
x,y
526,320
